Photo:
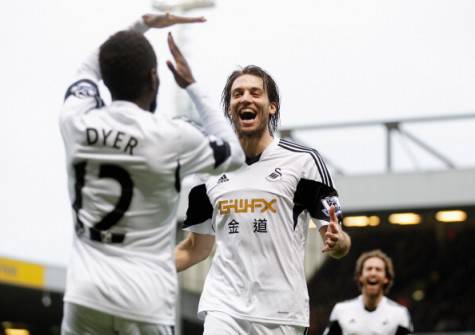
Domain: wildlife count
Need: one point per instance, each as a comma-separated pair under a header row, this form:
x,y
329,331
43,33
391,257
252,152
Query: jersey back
x,y
124,169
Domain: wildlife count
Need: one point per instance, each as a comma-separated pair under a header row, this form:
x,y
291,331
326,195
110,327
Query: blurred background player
x,y
259,216
371,312
125,166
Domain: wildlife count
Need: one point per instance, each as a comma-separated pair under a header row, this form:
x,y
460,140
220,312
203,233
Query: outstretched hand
x,y
335,240
167,20
181,71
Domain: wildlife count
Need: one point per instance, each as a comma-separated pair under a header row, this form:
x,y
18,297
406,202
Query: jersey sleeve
x,y
334,327
83,94
199,212
315,191
405,325
226,148
200,152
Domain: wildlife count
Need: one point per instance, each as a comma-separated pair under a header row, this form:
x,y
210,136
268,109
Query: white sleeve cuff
x,y
204,228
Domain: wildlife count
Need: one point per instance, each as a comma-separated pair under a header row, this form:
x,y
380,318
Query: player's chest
x,y
369,324
274,178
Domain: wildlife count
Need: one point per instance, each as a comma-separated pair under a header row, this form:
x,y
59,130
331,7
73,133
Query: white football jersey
x,y
125,167
260,215
351,318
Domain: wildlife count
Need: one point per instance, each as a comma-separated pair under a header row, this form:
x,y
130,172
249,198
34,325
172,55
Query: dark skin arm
x,y
181,71
167,20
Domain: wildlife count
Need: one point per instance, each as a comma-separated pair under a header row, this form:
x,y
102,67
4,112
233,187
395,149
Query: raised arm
x,y
84,85
213,122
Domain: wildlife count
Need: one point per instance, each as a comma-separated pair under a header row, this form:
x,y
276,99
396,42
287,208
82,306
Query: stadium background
x,y
388,67
434,258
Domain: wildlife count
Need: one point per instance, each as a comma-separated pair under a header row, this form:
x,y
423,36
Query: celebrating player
x,y
125,165
371,312
259,217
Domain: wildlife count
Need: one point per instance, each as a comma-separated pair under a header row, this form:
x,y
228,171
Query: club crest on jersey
x,y
246,206
331,201
275,175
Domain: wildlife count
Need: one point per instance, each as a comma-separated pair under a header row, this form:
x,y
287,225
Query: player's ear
x,y
360,282
273,108
154,79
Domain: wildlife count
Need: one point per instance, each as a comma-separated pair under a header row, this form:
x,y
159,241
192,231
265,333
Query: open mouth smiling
x,y
372,282
247,114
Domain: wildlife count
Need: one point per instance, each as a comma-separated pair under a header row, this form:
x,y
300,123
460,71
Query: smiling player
x,y
371,312
259,216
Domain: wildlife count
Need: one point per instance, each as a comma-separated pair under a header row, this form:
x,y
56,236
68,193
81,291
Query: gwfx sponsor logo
x,y
258,205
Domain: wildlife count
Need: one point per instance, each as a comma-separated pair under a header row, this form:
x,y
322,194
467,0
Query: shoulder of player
x,y
392,303
344,307
349,303
82,95
395,305
309,160
298,150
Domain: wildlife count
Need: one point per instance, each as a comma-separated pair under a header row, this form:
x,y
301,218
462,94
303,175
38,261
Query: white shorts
x,y
80,320
218,323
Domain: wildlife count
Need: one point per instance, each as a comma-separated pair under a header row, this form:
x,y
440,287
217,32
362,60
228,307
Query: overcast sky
x,y
334,60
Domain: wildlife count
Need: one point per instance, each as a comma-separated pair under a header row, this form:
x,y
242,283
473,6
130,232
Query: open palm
x,y
167,20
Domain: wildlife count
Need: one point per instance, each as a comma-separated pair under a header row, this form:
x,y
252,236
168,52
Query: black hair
x,y
270,88
126,60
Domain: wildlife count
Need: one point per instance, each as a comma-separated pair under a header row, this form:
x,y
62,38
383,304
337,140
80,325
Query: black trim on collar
x,y
252,160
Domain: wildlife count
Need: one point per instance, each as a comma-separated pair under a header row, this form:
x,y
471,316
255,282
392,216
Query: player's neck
x,y
255,145
143,103
146,102
371,302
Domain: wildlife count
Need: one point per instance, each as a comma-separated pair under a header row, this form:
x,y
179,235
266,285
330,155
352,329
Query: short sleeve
x,y
333,327
315,192
405,324
199,212
82,95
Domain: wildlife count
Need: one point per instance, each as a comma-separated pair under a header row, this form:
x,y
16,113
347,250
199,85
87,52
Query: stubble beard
x,y
374,292
251,134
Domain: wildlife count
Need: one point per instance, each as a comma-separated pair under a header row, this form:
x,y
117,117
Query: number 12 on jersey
x,y
99,231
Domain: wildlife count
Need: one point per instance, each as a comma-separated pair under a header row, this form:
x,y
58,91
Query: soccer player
x,y
371,312
125,167
259,217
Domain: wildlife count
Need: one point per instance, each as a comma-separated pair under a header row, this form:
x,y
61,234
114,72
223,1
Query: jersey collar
x,y
126,105
263,155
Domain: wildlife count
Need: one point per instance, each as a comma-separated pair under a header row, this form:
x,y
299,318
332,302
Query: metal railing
x,y
391,127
